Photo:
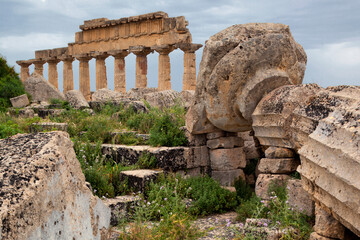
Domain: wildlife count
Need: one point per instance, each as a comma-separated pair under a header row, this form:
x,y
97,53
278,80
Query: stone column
x,y
68,76
119,70
189,77
164,82
141,65
24,69
84,75
101,79
39,66
53,74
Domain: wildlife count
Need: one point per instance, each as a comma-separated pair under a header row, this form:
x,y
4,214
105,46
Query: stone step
x,y
140,178
47,126
167,158
135,133
121,207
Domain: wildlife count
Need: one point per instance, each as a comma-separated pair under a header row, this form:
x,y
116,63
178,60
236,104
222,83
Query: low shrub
x,y
243,190
147,161
296,225
10,84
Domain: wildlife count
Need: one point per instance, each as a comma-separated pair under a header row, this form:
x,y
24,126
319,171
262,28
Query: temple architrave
x,y
101,38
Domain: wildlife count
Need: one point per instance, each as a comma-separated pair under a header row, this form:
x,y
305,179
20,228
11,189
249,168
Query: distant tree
x,y
10,84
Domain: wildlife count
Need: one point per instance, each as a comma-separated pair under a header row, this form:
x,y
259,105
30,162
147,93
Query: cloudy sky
x,y
328,30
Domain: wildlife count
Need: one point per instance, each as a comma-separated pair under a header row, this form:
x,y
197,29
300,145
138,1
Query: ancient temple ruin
x,y
101,38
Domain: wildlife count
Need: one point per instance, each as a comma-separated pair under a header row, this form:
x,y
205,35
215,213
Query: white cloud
x,y
334,64
33,41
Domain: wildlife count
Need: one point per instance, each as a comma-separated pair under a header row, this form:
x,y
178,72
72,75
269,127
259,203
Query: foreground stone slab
x,y
326,225
139,179
40,89
277,152
20,101
43,191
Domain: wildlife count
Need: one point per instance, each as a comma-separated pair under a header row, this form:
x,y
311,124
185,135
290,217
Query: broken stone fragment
x,y
20,101
277,152
44,194
239,66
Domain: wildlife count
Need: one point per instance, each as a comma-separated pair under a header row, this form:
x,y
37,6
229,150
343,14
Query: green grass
x,y
280,213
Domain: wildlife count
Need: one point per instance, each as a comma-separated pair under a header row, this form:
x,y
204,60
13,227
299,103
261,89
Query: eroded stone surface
x,y
326,225
40,89
76,99
105,95
139,179
20,101
227,159
163,99
43,191
265,180
278,165
277,152
239,66
298,198
228,177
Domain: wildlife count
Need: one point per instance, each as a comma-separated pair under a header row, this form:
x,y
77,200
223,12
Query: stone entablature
x,y
101,38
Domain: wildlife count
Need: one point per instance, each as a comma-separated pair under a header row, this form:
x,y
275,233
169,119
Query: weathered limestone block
x,y
20,101
44,195
277,152
40,89
215,134
278,165
45,112
239,66
251,147
315,236
197,157
298,198
139,179
326,225
187,97
48,126
228,177
120,207
105,95
162,99
195,140
76,99
265,180
330,159
138,93
225,142
227,159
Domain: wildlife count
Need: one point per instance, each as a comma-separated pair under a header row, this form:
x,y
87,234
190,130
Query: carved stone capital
x,y
188,47
119,53
140,50
164,49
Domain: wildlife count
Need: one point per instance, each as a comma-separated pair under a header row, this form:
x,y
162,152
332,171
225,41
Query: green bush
x,y
10,84
243,190
166,132
208,196
8,129
278,211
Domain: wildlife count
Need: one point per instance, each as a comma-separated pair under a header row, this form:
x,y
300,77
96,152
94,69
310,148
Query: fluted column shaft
x,y
119,70
39,67
101,78
84,76
189,77
53,74
141,53
24,72
164,81
68,76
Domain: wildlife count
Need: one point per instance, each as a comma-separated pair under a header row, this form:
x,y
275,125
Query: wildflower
x,y
278,222
228,222
148,203
265,224
216,220
165,199
241,225
95,190
161,187
189,188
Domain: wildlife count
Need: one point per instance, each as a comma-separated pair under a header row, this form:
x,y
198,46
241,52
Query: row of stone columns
x,y
141,52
